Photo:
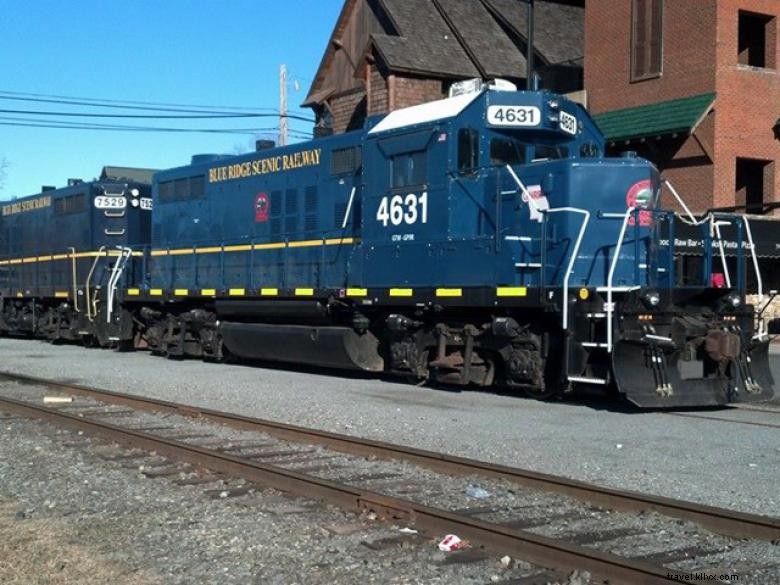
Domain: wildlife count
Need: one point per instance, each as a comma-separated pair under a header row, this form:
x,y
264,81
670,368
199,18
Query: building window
x,y
755,180
647,25
757,40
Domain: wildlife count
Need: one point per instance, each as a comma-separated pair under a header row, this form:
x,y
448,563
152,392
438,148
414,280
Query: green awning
x,y
673,116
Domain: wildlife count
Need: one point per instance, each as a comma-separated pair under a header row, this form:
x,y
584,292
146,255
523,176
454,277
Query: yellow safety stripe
x,y
133,292
357,292
181,292
237,292
449,292
401,292
511,291
304,292
156,292
61,294
269,292
208,292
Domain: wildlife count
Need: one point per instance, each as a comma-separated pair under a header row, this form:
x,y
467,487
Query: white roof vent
x,y
501,85
466,87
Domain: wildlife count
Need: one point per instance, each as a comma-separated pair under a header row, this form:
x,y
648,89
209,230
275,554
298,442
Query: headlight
x,y
134,202
135,192
734,300
652,298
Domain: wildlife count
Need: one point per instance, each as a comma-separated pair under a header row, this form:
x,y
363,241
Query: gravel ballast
x,y
718,463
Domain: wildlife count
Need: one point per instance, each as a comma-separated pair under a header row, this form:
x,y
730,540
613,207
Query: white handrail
x,y
526,194
89,279
116,274
349,208
759,279
75,283
573,258
610,309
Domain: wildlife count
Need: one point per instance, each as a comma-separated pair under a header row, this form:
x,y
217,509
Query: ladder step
x,y
528,265
592,344
584,380
595,315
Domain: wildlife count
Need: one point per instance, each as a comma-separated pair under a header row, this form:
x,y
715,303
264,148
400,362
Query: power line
x,y
155,116
21,122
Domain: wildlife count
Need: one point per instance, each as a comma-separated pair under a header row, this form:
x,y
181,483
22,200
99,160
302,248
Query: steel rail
x,y
536,549
719,520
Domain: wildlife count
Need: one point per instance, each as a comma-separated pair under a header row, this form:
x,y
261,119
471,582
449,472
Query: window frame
x,y
647,72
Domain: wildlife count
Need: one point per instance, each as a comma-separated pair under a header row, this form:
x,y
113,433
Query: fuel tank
x,y
328,346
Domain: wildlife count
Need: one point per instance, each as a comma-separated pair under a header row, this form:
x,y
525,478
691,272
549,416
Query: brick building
x,y
694,86
389,54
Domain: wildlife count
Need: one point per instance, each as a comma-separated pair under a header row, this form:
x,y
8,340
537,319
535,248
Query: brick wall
x,y
688,47
378,94
411,91
748,102
349,111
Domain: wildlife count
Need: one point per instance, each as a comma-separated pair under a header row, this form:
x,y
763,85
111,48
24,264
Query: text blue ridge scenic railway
x,y
481,239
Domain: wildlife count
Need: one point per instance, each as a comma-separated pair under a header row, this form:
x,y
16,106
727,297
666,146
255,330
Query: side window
x,y
346,160
409,169
182,189
468,150
546,152
589,150
505,151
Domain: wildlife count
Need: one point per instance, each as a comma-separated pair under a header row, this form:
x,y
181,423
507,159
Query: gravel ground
x,y
724,464
153,531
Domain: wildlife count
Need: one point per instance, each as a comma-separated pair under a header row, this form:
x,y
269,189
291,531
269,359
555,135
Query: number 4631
x,y
398,209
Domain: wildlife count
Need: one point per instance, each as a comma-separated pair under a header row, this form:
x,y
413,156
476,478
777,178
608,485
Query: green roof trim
x,y
681,115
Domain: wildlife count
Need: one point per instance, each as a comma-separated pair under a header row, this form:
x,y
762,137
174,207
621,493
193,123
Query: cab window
x,y
505,151
409,169
468,150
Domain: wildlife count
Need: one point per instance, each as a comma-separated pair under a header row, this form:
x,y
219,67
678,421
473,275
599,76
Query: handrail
x,y
116,273
531,203
75,284
349,208
573,258
611,276
759,279
89,279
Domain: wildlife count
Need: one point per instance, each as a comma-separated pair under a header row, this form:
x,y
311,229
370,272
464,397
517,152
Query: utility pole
x,y
530,81
283,105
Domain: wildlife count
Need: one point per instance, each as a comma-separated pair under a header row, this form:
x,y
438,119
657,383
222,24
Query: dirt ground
x,y
40,552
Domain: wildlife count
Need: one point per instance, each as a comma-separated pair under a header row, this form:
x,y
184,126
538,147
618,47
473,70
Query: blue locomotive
x,y
481,239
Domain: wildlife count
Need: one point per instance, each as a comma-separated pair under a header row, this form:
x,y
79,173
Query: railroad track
x,y
301,471
754,423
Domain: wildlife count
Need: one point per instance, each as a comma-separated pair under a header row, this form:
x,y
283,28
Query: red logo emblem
x,y
261,207
640,196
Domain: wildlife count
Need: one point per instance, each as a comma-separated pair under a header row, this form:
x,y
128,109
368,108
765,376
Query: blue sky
x,y
173,51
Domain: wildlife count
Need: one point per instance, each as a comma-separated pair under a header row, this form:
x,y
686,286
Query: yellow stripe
x,y
44,258
305,243
449,292
272,246
15,261
208,250
208,292
338,241
61,295
304,292
3,262
357,292
237,292
181,292
182,252
159,252
511,291
241,248
156,292
60,257
133,292
269,292
30,259
401,292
